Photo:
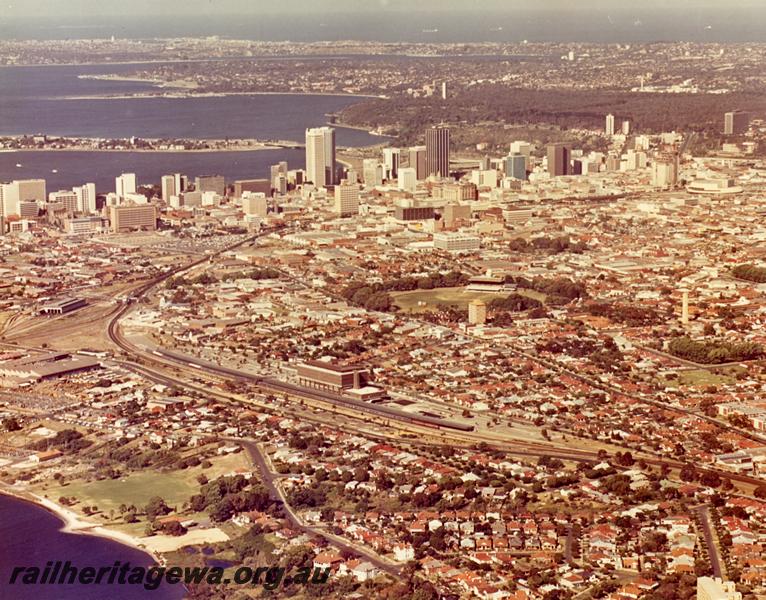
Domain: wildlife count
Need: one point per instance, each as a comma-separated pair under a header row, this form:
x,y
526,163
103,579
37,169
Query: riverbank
x,y
201,94
74,523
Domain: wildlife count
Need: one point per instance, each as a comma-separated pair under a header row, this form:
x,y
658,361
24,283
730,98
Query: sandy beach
x,y
74,523
153,545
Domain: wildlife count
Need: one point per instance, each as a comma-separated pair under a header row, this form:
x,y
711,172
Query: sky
x,y
69,8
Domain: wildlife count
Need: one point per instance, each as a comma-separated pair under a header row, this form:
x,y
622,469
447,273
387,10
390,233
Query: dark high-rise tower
x,y
558,160
437,151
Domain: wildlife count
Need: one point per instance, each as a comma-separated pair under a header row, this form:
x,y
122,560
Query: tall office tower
x,y
275,171
626,128
86,198
484,163
211,183
735,122
609,129
665,170
642,142
437,151
19,191
372,172
417,161
516,166
346,199
391,162
444,90
168,184
407,179
255,203
125,184
280,184
558,159
67,199
320,156
180,183
477,312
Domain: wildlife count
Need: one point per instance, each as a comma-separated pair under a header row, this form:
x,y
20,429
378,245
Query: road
x,y
270,480
707,531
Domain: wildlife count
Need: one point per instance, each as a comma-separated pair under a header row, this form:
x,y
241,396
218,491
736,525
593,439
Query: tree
x,y
156,507
688,473
11,424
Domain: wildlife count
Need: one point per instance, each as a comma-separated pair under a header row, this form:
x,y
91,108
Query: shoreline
x,y
180,94
73,523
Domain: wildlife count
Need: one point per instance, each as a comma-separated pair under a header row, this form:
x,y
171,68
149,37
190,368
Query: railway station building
x,y
330,377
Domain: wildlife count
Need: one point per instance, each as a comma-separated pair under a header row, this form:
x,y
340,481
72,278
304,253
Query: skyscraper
x,y
735,122
320,156
437,151
86,198
516,166
609,129
180,183
391,162
211,183
626,128
665,169
125,184
372,172
346,199
168,187
558,159
417,161
407,179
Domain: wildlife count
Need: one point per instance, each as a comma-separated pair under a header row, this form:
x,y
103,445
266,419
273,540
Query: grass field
x,y
455,297
175,487
703,377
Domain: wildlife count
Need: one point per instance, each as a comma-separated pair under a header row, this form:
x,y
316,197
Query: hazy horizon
x,y
456,22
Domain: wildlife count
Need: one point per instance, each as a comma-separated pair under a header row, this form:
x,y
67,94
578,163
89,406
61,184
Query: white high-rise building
x,y
180,183
86,198
665,170
22,190
68,199
609,129
346,199
169,187
372,172
407,179
125,184
320,156
626,128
